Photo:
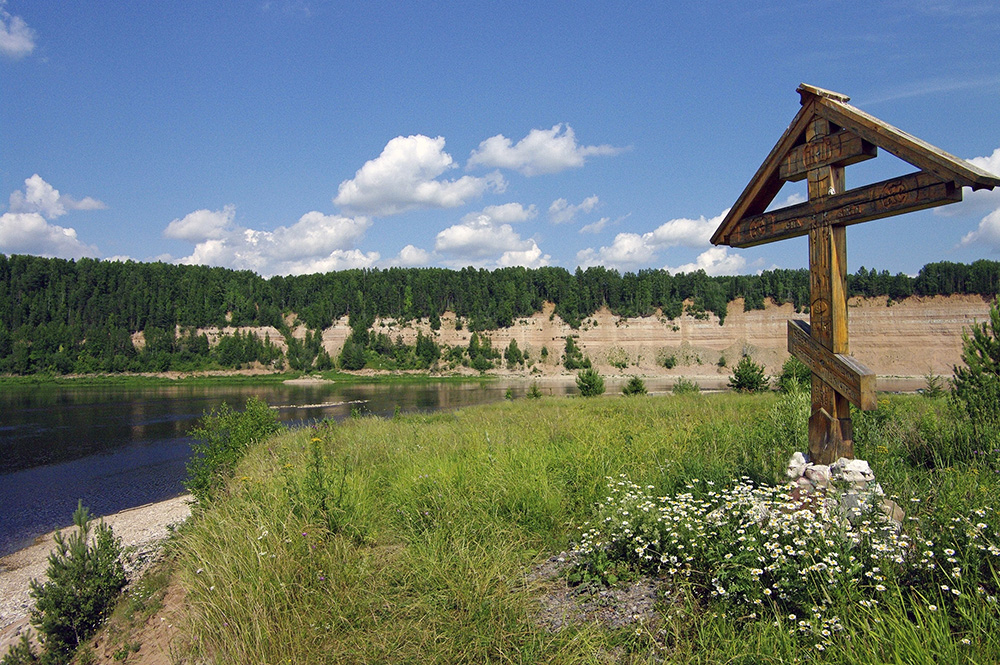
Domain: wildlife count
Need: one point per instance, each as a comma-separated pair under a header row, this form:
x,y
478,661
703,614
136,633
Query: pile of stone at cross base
x,y
848,486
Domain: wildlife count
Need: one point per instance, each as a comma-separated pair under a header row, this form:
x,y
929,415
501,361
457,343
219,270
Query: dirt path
x,y
142,528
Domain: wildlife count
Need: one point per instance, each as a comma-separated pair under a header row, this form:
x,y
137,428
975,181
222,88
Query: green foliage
x,y
352,355
319,493
22,653
481,353
590,382
617,357
534,392
722,361
976,386
685,386
748,377
222,439
83,581
427,350
934,386
573,357
795,375
79,316
513,355
668,360
635,386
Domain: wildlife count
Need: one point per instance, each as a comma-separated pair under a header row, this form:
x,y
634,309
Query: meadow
x,y
477,535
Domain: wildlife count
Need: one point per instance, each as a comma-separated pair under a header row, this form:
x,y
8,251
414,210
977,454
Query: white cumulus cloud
x,y
988,232
486,239
16,38
561,211
541,151
315,243
405,176
714,261
41,197
26,229
980,202
30,233
510,213
410,256
202,225
632,250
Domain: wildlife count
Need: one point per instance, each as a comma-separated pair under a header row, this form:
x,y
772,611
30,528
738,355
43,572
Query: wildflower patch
x,y
760,551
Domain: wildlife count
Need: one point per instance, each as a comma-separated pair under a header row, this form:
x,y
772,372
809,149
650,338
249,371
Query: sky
x,y
297,136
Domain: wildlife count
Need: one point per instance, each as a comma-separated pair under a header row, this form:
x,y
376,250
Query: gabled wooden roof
x,y
866,133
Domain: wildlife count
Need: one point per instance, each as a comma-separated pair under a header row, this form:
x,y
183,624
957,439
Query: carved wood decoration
x,y
826,135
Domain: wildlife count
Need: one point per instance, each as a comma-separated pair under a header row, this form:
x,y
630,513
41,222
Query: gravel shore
x,y
142,528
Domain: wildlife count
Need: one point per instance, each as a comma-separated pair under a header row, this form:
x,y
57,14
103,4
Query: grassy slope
x,y
426,556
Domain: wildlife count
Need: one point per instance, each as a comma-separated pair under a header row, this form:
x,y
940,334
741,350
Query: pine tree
x,y
976,386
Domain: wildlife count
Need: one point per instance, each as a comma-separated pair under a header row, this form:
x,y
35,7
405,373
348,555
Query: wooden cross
x,y
826,135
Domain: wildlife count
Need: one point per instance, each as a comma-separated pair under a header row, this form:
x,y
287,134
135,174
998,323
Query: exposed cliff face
x,y
912,337
907,338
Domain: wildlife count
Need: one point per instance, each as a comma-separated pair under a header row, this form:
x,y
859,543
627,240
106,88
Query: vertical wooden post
x,y
830,432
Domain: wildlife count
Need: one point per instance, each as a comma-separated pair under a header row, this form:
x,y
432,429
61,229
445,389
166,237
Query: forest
x,y
62,316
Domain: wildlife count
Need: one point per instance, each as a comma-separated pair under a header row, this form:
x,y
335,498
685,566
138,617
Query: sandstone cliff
x,y
912,337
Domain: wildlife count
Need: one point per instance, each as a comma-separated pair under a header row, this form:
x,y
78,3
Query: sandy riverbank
x,y
142,528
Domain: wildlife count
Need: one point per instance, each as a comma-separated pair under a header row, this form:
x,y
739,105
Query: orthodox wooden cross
x,y
826,135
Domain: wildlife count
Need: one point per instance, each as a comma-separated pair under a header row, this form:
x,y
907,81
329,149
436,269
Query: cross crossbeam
x,y
826,135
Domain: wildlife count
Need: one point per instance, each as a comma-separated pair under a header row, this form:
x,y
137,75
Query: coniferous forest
x,y
61,316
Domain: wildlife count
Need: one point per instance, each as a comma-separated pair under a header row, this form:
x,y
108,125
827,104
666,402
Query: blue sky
x,y
296,136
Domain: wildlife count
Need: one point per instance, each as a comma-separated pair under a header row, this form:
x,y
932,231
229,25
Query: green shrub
x,y
685,386
84,580
513,355
590,382
976,386
748,377
795,375
668,361
573,357
635,386
223,439
534,392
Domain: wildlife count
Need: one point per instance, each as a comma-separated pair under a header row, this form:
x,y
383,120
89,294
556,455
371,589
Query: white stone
x,y
796,466
819,474
851,471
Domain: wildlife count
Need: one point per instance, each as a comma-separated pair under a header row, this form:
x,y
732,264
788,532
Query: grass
x,y
412,539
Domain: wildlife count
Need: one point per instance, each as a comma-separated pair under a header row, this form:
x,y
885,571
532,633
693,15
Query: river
x,y
120,447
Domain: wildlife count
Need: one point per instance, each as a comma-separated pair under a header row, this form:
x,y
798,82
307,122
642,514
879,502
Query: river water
x,y
116,448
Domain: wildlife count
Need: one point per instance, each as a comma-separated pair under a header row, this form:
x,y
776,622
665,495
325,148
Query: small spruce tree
x,y
84,580
590,382
748,377
635,386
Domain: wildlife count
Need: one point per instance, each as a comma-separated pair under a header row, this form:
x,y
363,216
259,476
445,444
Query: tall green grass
x,y
413,539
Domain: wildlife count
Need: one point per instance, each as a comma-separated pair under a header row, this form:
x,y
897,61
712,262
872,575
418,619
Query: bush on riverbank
x,y
223,437
455,510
